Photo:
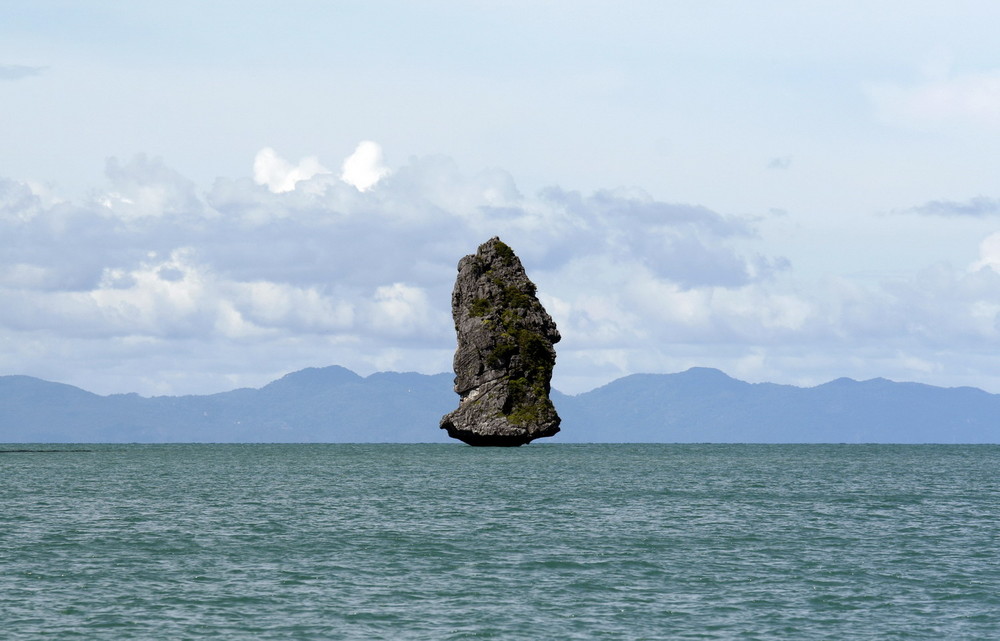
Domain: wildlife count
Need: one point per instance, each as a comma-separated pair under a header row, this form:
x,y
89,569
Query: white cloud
x,y
404,310
247,282
286,307
145,187
364,168
280,175
18,200
989,254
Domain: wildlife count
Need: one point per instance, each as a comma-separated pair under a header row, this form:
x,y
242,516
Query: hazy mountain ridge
x,y
333,404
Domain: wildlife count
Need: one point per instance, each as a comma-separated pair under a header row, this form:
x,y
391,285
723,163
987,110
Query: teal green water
x,y
547,541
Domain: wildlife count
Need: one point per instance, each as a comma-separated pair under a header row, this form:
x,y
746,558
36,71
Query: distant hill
x,y
706,406
330,404
335,405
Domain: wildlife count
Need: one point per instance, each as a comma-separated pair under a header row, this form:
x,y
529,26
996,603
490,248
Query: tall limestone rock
x,y
504,360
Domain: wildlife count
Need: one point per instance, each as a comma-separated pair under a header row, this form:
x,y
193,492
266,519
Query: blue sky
x,y
198,196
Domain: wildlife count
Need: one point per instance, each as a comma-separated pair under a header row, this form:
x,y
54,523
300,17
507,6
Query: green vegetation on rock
x,y
480,307
504,251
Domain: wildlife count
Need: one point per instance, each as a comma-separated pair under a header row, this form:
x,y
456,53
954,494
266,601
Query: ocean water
x,y
548,541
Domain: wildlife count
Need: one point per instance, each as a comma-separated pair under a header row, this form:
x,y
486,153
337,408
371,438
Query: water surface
x,y
548,541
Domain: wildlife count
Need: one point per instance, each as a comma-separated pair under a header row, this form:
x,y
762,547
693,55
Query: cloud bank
x,y
154,286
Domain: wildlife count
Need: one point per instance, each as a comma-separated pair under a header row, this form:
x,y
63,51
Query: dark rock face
x,y
504,360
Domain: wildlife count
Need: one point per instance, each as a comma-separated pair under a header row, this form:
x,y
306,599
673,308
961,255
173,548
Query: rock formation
x,y
504,359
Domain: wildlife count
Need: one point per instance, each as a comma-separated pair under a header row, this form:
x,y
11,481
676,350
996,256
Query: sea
x,y
546,541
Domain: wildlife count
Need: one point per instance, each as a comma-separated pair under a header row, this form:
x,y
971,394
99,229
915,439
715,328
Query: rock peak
x,y
504,359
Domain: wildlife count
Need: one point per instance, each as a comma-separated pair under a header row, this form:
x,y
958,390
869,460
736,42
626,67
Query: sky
x,y
196,197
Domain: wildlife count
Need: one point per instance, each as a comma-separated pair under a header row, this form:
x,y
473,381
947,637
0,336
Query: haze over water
x,y
546,541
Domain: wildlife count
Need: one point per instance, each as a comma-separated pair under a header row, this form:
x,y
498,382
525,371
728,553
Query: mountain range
x,y
335,405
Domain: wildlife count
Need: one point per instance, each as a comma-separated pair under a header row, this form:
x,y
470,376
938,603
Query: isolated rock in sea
x,y
504,359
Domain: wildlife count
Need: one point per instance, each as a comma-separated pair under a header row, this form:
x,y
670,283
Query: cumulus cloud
x,y
989,254
18,200
689,245
406,311
146,187
279,175
244,281
364,168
